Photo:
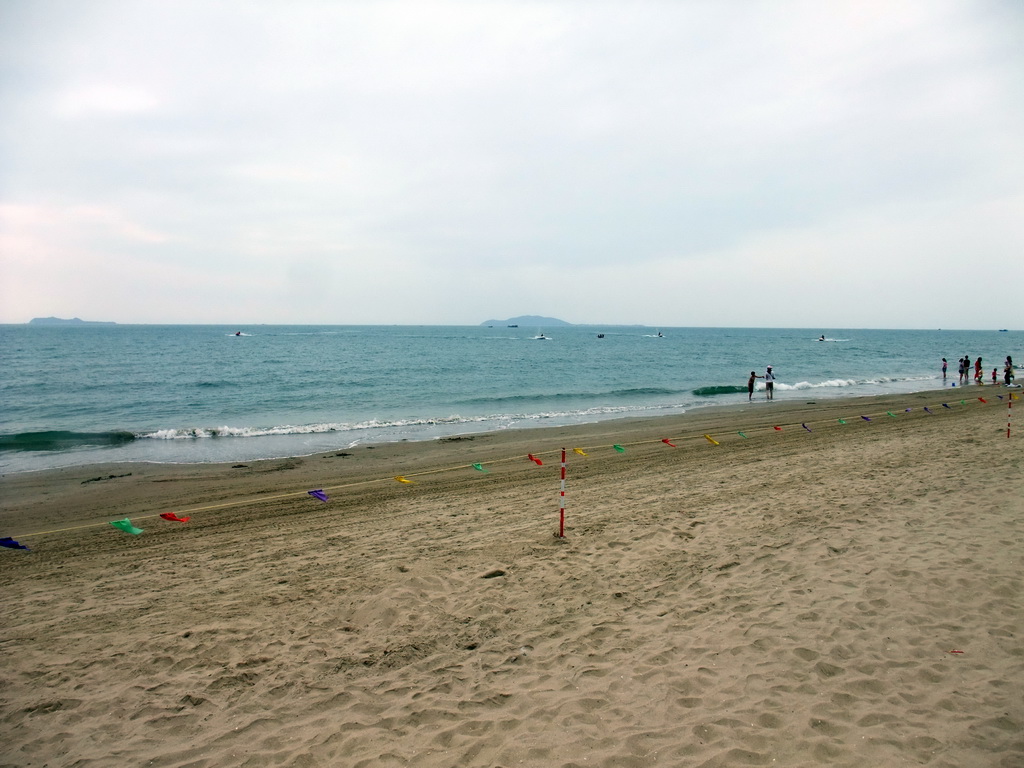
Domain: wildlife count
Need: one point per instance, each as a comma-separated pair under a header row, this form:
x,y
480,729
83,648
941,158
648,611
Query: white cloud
x,y
424,160
104,98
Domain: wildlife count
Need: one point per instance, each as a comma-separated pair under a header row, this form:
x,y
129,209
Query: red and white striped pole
x,y
561,511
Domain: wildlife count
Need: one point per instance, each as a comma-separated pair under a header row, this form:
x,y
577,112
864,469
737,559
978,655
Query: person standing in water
x,y
944,364
769,383
977,371
750,385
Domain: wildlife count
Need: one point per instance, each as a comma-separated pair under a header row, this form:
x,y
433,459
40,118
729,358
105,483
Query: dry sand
x,y
849,596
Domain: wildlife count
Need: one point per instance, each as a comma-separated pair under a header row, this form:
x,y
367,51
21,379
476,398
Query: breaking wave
x,y
497,420
723,389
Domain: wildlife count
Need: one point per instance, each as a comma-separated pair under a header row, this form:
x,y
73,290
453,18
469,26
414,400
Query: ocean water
x,y
78,395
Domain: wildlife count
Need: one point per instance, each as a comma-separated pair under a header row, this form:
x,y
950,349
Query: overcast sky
x,y
786,164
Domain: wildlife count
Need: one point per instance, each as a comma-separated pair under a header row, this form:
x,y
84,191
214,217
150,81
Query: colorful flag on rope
x,y
580,451
318,494
403,479
666,441
480,467
619,448
534,459
10,543
126,526
174,518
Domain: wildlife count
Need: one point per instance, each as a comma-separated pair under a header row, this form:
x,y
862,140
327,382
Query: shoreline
x,y
243,448
35,501
842,597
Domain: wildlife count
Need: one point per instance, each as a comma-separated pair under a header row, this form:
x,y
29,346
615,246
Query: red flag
x,y
174,517
779,429
665,440
534,459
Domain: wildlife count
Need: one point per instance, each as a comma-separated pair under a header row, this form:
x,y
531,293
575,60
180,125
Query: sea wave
x,y
496,420
721,389
416,428
732,389
820,384
729,389
198,433
838,383
63,441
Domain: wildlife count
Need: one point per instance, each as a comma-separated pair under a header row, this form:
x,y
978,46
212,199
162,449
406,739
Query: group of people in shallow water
x,y
769,384
964,367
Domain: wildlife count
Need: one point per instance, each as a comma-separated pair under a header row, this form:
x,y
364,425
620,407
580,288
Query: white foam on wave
x,y
837,383
499,420
197,433
818,385
200,433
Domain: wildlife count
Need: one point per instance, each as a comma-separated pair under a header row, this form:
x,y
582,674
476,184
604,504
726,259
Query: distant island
x,y
531,321
63,321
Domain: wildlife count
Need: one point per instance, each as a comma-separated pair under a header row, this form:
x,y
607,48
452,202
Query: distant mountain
x,y
62,321
531,321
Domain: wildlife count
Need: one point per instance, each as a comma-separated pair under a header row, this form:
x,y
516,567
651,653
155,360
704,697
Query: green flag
x,y
126,526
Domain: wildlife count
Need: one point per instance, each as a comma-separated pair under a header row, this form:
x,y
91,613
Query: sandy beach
x,y
823,594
